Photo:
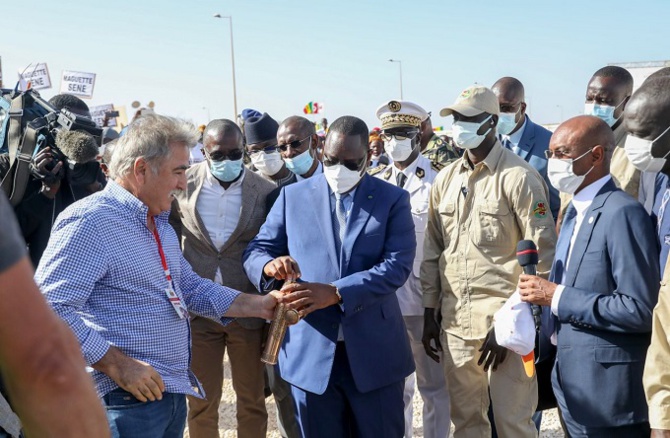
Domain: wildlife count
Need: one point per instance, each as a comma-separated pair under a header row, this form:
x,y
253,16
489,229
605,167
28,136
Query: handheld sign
x,y
77,83
35,76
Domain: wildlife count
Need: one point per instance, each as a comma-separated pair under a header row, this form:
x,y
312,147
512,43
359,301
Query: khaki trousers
x,y
209,342
513,394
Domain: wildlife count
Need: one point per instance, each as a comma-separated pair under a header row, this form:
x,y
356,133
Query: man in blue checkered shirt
x,y
114,271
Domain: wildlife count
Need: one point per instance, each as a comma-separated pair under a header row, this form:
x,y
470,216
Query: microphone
x,y
526,254
78,146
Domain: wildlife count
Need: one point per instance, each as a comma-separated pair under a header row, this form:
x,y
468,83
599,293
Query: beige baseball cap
x,y
475,99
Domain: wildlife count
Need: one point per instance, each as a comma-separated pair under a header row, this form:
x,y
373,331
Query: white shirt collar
x,y
516,137
582,200
409,170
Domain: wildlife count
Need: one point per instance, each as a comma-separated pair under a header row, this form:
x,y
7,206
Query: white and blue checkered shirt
x,y
102,274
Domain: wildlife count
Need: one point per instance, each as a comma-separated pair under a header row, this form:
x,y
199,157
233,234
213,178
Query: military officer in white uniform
x,y
401,133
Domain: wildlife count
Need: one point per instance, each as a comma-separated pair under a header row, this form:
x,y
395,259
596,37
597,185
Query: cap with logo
x,y
472,101
399,113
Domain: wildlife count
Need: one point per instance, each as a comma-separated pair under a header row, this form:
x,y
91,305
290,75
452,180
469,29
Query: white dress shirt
x,y
581,201
219,210
319,169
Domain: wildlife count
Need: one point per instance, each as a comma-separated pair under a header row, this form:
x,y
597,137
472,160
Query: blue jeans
x,y
130,418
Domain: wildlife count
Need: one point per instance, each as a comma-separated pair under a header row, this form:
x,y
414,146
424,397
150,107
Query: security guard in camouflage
x,y
433,147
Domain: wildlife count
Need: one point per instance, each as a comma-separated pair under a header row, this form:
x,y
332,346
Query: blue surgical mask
x,y
507,122
603,112
226,170
300,164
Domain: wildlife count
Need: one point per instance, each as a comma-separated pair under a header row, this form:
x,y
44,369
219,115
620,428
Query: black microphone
x,y
526,254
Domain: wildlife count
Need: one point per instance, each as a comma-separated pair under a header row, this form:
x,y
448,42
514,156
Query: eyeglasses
x,y
295,144
220,156
349,164
399,135
558,154
267,150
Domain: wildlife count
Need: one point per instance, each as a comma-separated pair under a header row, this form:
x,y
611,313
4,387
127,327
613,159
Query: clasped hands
x,y
302,297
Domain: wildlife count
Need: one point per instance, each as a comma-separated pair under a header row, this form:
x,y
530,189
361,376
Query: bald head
x,y
222,138
221,127
665,71
298,124
588,141
510,88
648,114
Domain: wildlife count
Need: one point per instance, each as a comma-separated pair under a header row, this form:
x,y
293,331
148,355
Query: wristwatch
x,y
337,292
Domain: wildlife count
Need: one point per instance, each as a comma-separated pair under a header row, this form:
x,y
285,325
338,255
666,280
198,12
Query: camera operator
x,y
58,177
71,103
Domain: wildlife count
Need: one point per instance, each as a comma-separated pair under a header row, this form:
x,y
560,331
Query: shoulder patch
x,y
437,166
420,172
540,209
376,170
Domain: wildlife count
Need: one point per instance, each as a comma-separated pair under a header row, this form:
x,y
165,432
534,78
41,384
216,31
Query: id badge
x,y
176,303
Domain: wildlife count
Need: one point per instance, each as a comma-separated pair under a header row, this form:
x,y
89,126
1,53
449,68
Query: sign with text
x,y
35,76
78,83
98,115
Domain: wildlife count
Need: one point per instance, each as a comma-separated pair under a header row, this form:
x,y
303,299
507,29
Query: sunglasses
x,y
220,156
399,135
295,144
354,165
267,150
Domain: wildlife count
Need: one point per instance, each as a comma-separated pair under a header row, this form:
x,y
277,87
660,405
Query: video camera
x,y
29,123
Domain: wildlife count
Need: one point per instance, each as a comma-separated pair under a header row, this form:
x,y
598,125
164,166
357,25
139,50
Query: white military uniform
x,y
429,375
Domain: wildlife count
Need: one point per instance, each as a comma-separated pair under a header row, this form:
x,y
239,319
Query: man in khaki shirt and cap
x,y
480,207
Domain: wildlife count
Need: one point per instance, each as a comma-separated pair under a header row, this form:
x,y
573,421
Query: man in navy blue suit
x,y
519,134
350,239
601,291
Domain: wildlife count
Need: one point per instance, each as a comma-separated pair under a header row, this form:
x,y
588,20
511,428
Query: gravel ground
x,y
551,427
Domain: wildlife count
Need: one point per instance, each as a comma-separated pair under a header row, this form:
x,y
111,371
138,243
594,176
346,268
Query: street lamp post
x,y
400,67
232,61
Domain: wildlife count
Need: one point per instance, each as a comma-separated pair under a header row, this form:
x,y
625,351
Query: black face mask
x,y
83,174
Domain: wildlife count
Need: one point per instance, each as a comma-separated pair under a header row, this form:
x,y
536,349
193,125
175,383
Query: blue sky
x,y
290,52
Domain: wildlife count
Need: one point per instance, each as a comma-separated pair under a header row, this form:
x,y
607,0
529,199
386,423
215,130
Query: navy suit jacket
x,y
533,143
377,257
605,312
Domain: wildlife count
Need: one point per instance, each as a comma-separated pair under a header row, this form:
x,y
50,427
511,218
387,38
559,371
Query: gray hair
x,y
150,137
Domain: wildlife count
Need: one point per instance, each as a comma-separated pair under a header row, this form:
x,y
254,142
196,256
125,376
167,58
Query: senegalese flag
x,y
312,108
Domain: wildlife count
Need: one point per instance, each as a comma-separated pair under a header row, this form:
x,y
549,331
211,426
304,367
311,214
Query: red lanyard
x,y
161,253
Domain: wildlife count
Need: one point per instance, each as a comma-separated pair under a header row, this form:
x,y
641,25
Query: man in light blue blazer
x,y
350,239
603,286
519,134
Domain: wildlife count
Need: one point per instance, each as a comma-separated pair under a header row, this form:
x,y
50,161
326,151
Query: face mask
x,y
399,150
226,170
639,153
267,164
300,164
340,179
465,134
561,175
507,122
603,112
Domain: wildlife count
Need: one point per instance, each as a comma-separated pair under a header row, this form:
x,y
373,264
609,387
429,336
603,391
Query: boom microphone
x,y
78,146
526,254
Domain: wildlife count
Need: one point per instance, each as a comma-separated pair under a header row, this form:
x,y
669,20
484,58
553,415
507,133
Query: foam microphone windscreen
x,y
78,146
526,253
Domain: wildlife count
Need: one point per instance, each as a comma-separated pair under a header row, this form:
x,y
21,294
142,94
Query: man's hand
x,y
536,290
431,332
50,179
268,304
658,433
492,353
282,268
137,377
308,297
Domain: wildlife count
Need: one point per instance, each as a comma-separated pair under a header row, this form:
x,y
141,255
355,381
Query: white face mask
x,y
465,134
507,122
340,179
561,175
639,153
267,164
399,150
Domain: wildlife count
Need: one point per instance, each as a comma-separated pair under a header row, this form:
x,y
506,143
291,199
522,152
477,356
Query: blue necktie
x,y
339,222
563,245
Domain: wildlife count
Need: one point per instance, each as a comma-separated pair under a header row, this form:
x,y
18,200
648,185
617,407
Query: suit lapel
x,y
249,197
527,139
583,238
364,202
320,195
195,182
